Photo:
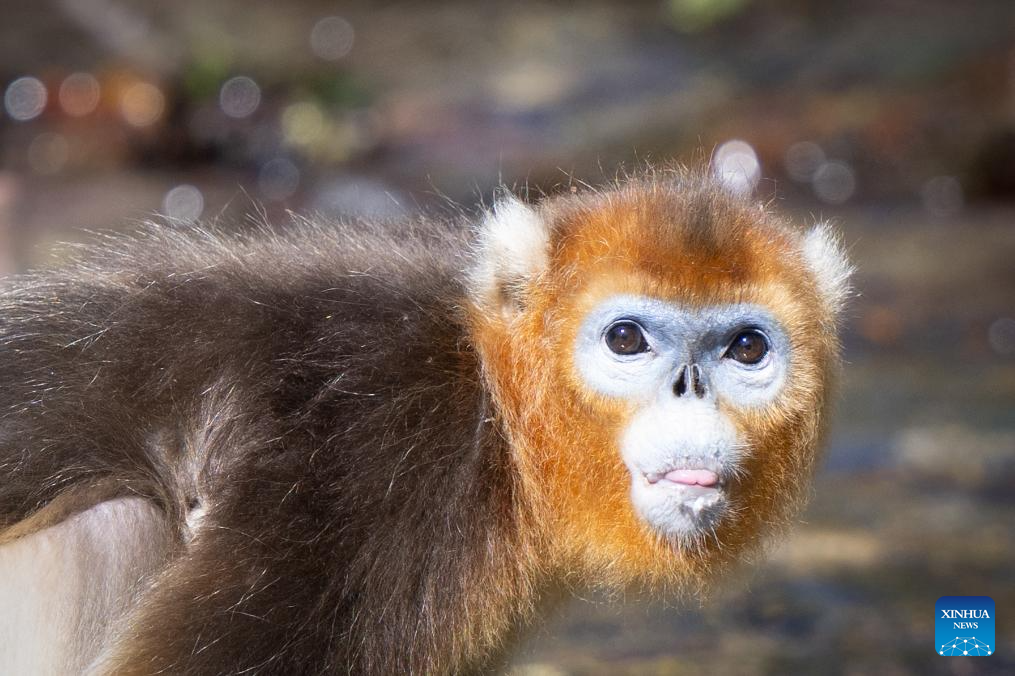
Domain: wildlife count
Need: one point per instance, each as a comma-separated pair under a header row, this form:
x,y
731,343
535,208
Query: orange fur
x,y
677,238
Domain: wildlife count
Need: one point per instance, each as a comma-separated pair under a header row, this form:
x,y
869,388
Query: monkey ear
x,y
824,255
512,248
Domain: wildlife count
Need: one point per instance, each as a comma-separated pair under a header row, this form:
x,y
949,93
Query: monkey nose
x,y
690,380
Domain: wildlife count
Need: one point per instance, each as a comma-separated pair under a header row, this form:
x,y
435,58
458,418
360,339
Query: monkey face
x,y
680,369
661,355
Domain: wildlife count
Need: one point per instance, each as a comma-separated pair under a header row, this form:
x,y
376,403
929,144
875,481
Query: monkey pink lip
x,y
687,477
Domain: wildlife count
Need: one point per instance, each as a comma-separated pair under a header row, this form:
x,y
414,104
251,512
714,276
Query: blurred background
x,y
893,118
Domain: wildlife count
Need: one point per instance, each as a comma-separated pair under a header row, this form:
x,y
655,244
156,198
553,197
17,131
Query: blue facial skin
x,y
679,336
676,385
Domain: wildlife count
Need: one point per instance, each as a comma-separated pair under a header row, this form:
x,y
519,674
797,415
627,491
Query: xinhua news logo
x,y
964,626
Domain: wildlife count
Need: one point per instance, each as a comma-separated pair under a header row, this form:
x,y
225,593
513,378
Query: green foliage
x,y
692,16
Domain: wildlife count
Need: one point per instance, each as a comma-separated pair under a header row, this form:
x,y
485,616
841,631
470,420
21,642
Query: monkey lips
x,y
687,477
681,502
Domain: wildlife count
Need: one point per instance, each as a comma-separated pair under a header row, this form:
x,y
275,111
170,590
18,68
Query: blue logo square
x,y
964,626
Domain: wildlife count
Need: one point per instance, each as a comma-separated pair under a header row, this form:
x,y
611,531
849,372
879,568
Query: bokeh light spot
x,y
48,153
239,97
331,38
881,324
79,94
183,203
834,182
1001,336
142,104
802,160
736,165
25,98
303,124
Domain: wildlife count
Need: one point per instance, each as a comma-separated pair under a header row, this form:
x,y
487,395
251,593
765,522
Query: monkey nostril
x,y
690,379
698,382
680,387
684,382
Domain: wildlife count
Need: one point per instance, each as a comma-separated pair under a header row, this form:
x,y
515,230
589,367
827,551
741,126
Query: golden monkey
x,y
376,448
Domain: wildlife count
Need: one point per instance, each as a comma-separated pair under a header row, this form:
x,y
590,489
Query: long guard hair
x,y
313,393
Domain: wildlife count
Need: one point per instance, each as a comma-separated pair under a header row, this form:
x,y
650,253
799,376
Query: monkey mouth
x,y
697,486
694,489
682,501
683,496
704,478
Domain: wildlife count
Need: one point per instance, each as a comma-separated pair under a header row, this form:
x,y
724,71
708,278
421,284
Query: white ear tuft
x,y
822,250
513,246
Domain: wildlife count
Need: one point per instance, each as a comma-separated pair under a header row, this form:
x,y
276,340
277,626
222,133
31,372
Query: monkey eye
x,y
626,338
748,347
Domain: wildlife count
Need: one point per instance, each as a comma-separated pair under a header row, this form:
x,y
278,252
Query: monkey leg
x,y
244,596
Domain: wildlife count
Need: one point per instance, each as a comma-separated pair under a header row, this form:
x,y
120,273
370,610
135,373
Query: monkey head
x,y
661,355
